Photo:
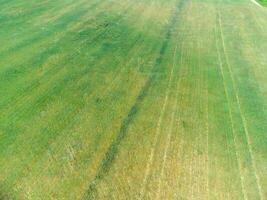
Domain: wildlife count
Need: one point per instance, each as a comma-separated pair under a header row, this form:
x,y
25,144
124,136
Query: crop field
x,y
133,99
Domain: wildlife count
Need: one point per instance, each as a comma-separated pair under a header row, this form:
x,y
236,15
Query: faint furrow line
x,y
178,128
231,118
184,99
203,106
206,110
198,161
190,162
207,138
152,152
170,129
195,127
244,122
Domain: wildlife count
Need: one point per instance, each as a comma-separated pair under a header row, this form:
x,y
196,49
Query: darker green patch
x,y
5,193
184,124
262,2
4,196
98,100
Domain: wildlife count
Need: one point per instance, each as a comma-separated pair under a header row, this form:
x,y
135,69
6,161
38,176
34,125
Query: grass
x,y
263,2
133,99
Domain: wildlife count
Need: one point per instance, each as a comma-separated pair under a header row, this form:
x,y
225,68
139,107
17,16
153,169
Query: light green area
x,y
133,99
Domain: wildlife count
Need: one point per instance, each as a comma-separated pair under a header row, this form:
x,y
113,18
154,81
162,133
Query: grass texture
x,y
133,99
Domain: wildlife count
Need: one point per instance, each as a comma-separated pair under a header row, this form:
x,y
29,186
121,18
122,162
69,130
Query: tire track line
x,y
231,119
185,162
207,132
199,164
152,152
202,160
170,129
244,122
196,164
181,138
155,141
207,143
207,140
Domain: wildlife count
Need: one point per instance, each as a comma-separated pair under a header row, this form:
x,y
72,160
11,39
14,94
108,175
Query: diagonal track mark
x,y
231,119
113,149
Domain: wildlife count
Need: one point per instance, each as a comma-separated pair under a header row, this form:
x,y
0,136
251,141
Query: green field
x,y
133,99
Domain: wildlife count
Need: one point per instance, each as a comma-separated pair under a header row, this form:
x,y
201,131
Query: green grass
x,y
133,99
263,2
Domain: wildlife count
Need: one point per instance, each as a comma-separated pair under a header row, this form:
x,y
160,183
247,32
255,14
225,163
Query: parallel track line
x,y
244,122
